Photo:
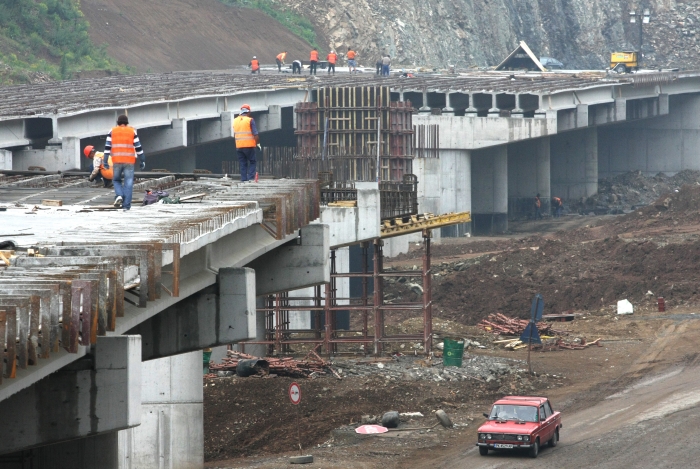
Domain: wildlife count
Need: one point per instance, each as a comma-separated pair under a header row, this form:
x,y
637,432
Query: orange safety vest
x,y
254,64
332,58
123,151
107,173
351,55
314,56
243,132
281,56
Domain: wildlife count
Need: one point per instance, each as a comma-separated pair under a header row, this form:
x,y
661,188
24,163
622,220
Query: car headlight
x,y
526,438
520,438
482,436
488,436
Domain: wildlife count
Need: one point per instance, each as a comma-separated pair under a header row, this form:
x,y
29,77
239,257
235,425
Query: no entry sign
x,y
371,429
294,393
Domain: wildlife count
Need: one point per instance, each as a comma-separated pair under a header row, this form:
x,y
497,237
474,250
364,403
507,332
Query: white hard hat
x,y
254,57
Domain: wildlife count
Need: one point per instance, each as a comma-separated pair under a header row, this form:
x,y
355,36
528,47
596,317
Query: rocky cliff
x,y
480,33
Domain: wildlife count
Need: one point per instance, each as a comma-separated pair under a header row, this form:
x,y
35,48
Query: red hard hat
x,y
246,106
88,149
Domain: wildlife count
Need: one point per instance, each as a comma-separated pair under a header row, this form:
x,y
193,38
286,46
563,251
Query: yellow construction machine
x,y
623,62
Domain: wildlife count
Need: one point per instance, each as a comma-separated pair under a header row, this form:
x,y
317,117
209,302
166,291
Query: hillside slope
x,y
169,35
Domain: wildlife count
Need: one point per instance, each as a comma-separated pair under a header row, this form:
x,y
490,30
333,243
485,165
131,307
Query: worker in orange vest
x,y
254,65
280,60
332,58
352,65
101,168
122,148
558,204
246,135
538,206
313,61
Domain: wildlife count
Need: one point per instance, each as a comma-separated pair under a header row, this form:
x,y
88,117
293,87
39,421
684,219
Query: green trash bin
x,y
452,352
206,356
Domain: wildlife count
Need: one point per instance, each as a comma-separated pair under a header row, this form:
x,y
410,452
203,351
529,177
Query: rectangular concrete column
x,y
574,164
53,158
489,181
171,434
85,399
429,174
528,175
455,188
5,159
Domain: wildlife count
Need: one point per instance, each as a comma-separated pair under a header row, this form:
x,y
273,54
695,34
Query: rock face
x,y
480,33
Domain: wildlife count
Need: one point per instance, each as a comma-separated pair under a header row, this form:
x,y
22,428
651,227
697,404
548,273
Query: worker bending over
x,y
557,205
296,67
313,61
331,58
101,168
280,60
254,65
122,148
246,135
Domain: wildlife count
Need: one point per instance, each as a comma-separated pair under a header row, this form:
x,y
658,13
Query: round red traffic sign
x,y
294,393
371,429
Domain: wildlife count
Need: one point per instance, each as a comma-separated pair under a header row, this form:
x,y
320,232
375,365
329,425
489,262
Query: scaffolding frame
x,y
279,337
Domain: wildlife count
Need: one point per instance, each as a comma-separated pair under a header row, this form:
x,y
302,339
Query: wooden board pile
x,y
308,367
501,324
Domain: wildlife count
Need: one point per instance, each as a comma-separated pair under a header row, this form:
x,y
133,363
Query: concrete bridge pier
x,y
528,175
574,163
489,186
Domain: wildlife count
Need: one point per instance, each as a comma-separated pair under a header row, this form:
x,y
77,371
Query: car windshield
x,y
523,413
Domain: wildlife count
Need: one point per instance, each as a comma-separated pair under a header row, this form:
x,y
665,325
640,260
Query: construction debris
x,y
500,324
308,367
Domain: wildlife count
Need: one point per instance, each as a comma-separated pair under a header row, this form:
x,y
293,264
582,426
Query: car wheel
x,y
535,449
620,68
483,450
555,439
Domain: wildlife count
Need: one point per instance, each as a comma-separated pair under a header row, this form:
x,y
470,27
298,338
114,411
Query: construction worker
x,y
101,168
313,61
280,60
352,65
379,66
296,67
386,65
122,148
331,58
246,134
538,207
557,204
254,65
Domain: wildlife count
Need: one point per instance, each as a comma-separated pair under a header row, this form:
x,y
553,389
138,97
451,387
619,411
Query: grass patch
x,y
290,20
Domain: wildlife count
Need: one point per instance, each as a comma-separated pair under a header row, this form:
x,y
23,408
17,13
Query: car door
x,y
551,420
545,424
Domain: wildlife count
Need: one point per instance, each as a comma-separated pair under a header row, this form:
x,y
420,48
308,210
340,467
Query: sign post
x,y
530,335
294,392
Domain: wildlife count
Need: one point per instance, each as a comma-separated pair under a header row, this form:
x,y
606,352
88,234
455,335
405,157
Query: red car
x,y
520,422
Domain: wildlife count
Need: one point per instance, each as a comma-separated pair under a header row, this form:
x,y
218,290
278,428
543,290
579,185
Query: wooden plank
x,y
52,202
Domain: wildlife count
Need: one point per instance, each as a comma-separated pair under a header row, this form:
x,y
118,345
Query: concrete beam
x,y
53,158
12,134
270,121
88,398
218,315
300,263
156,140
352,225
210,130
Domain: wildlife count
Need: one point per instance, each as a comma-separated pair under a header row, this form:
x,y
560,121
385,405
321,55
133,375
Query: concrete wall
x,y
352,225
171,434
668,144
574,163
528,175
489,182
5,159
63,157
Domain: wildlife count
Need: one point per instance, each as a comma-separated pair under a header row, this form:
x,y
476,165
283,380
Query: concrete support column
x,y
54,158
448,110
455,188
494,111
574,163
402,98
528,175
541,111
489,180
171,434
425,108
5,159
471,111
517,112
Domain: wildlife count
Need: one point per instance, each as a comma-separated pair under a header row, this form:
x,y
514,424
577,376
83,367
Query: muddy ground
x,y
585,268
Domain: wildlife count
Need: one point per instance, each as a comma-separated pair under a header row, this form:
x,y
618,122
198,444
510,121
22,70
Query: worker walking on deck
x,y
352,65
122,148
538,207
557,205
246,135
386,65
313,61
332,58
254,65
296,67
101,168
280,60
